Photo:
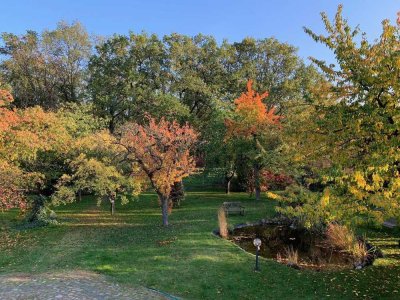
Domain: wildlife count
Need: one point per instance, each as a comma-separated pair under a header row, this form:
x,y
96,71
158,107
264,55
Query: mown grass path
x,y
185,259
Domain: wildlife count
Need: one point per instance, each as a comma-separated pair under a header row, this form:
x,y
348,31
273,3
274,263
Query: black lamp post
x,y
257,244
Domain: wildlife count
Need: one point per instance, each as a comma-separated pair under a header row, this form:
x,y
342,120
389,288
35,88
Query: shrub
x,y
245,180
177,194
300,204
223,224
274,181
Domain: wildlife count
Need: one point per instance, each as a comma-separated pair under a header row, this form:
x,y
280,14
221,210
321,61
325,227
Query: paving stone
x,y
76,285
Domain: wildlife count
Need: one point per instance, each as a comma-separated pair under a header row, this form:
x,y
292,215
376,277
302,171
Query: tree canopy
x,y
106,118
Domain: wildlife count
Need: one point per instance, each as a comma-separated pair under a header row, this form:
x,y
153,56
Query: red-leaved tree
x,y
163,151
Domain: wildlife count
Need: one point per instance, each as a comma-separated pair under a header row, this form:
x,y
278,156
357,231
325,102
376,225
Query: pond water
x,y
313,252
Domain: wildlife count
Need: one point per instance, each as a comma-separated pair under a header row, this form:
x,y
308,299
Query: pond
x,y
296,247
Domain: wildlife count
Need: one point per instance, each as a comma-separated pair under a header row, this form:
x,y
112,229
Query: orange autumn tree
x,y
252,123
8,117
24,135
11,187
35,150
251,114
163,152
11,195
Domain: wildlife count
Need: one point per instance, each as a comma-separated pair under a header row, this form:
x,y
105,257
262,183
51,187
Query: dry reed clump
x,y
292,256
340,237
223,224
359,251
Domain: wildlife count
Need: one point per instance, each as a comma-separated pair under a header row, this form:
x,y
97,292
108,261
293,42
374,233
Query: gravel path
x,y
70,285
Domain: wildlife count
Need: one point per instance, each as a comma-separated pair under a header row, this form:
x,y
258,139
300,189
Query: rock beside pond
x,y
375,252
294,266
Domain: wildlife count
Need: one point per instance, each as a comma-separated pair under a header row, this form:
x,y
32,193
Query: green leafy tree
x,y
196,72
97,176
128,77
46,69
274,67
222,154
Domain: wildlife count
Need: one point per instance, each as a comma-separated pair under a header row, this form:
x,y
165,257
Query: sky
x,y
224,19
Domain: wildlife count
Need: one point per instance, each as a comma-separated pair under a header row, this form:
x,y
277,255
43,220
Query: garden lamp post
x,y
257,244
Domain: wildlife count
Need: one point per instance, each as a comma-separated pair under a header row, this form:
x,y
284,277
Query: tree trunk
x,y
80,195
228,179
228,186
257,183
164,207
258,193
112,205
111,125
256,170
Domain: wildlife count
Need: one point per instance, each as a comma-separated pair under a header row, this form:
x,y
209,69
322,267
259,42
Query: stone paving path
x,y
77,285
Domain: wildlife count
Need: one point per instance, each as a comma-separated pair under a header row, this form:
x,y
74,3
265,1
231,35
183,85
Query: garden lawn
x,y
184,259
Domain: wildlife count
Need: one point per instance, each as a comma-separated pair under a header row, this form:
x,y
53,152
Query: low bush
x,y
275,181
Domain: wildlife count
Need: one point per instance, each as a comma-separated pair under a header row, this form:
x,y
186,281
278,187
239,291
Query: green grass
x,y
184,259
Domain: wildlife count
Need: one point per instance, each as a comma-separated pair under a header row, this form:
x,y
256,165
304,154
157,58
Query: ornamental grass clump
x,y
223,224
292,257
340,237
359,252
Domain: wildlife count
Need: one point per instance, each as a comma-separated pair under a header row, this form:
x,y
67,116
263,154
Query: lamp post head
x,y
257,242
